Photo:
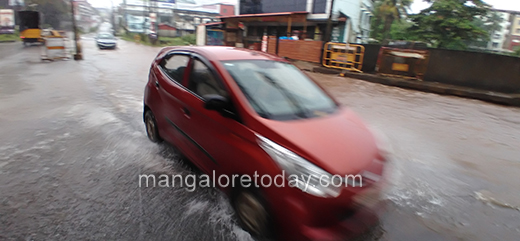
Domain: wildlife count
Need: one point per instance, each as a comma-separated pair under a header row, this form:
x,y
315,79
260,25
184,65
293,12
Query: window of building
x,y
518,30
224,11
495,45
319,6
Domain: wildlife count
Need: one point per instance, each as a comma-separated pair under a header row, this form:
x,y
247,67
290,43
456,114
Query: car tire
x,y
151,127
252,212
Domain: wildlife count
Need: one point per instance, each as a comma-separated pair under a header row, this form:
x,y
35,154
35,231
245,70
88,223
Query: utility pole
x,y
112,19
328,32
78,55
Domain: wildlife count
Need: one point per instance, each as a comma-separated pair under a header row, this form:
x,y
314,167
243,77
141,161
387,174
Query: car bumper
x,y
106,45
301,216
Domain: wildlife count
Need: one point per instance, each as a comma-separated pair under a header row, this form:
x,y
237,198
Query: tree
x,y
490,24
386,12
450,23
398,31
53,11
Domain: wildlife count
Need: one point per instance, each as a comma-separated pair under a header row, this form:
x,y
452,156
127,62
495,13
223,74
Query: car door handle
x,y
157,84
185,111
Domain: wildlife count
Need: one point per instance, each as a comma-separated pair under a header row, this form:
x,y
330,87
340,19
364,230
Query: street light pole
x,y
78,55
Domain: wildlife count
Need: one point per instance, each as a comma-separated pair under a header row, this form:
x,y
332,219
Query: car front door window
x,y
175,65
203,82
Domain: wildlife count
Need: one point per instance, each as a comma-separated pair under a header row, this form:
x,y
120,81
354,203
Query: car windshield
x,y
105,36
278,90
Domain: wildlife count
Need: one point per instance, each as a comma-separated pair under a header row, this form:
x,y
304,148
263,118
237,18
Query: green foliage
x,y
449,24
490,24
386,12
517,52
190,39
53,11
94,29
163,41
9,37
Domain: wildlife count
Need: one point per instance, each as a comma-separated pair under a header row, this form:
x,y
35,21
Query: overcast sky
x,y
417,6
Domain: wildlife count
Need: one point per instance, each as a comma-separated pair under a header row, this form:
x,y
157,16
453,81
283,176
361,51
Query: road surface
x,y
72,144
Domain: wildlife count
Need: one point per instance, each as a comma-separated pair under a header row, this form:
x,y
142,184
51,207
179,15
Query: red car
x,y
239,113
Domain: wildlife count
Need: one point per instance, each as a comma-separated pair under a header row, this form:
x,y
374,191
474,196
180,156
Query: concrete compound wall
x,y
297,49
482,71
476,70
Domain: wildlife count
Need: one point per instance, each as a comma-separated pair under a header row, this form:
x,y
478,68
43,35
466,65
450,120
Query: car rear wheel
x,y
252,213
151,127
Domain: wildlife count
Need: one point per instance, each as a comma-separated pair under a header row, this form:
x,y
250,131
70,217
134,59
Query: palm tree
x,y
388,11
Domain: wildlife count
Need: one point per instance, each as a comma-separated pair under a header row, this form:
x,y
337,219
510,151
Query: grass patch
x,y
167,41
9,37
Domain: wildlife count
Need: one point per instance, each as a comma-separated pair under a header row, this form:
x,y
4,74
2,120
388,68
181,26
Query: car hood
x,y
339,143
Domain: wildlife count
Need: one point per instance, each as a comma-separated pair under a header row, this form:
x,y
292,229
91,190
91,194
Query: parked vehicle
x,y
106,41
30,31
239,112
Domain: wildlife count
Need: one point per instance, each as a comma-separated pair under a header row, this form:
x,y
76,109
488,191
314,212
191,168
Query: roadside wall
x,y
484,71
476,70
370,58
297,49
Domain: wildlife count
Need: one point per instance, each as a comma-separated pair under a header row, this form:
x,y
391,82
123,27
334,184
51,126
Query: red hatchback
x,y
302,166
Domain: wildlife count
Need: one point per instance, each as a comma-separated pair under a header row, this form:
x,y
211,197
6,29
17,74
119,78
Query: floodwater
x,y
72,144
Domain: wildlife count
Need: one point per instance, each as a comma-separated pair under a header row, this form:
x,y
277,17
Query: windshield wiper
x,y
302,113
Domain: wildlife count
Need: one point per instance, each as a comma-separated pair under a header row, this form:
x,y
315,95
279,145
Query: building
x,y
513,41
498,38
86,16
182,16
351,18
222,9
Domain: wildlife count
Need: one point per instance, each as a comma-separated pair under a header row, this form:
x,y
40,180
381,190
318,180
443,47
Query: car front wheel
x,y
151,127
252,213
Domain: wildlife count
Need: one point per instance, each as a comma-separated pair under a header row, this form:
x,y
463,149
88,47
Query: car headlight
x,y
300,172
382,141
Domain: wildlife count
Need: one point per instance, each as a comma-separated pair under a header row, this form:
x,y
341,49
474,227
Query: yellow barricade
x,y
341,56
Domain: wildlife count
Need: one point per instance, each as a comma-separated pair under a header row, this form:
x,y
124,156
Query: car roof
x,y
225,53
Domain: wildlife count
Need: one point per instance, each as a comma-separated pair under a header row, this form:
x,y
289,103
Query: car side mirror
x,y
222,105
215,102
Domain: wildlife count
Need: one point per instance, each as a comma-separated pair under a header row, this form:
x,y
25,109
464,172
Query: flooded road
x,y
72,144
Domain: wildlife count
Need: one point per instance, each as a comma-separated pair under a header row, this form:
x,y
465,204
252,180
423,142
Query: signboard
x,y
6,21
137,24
16,3
166,3
400,67
215,37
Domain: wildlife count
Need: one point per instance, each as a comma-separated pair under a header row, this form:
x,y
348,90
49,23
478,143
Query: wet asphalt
x,y
72,144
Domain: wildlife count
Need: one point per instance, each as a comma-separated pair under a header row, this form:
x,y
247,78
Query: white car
x,y
106,41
